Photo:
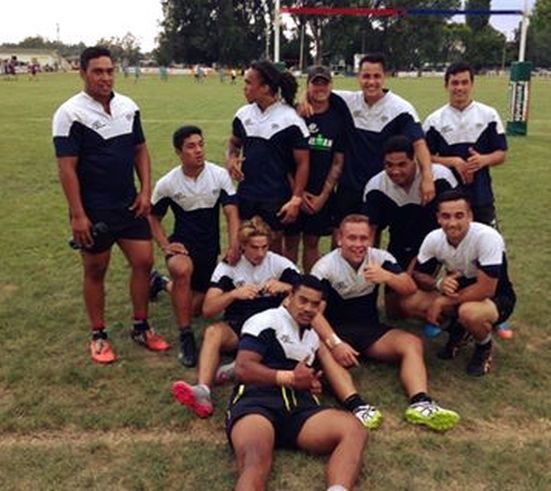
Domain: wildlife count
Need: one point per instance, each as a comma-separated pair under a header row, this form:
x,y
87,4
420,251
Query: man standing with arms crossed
x,y
99,143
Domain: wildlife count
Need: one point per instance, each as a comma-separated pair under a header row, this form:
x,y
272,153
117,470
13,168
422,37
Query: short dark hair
x,y
453,195
91,53
373,58
184,132
309,281
455,68
399,143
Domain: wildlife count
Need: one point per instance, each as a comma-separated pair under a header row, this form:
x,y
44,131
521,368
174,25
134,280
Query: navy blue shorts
x,y
320,224
204,264
285,408
360,336
505,305
121,224
267,210
347,202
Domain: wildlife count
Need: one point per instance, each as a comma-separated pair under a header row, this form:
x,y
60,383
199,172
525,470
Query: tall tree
x,y
539,35
478,22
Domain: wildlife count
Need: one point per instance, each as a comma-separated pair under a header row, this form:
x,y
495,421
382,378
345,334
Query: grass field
x,y
68,424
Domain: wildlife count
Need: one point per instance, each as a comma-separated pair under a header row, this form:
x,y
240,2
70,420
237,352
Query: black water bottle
x,y
98,229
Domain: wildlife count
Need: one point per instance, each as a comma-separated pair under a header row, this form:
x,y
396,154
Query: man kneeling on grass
x,y
259,281
475,291
275,403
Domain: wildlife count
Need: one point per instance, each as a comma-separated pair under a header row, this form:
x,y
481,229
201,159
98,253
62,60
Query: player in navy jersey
x,y
468,137
260,280
99,144
373,115
275,403
475,289
391,199
194,192
326,144
268,150
351,276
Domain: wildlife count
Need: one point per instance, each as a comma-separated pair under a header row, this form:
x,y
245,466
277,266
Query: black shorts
x,y
403,255
267,210
347,201
286,409
121,224
360,336
485,214
319,224
505,305
204,264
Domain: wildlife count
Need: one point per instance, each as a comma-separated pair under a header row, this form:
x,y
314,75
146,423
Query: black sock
x,y
140,325
353,402
184,332
99,333
419,397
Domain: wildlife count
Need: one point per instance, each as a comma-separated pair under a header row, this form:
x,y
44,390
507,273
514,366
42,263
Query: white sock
x,y
487,339
336,487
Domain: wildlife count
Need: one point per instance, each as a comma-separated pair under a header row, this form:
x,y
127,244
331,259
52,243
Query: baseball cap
x,y
319,71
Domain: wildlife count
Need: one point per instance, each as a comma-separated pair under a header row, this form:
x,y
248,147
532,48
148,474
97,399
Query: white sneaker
x,y
369,416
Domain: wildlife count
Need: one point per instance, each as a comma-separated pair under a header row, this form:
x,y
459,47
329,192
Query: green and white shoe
x,y
430,414
369,416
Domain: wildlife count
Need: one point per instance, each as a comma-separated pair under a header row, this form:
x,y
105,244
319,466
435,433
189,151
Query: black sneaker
x,y
188,350
481,362
458,337
157,283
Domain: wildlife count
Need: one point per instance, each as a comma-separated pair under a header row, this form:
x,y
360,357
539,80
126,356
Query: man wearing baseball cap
x,y
326,144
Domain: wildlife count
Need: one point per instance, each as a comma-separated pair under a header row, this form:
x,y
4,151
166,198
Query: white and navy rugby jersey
x,y
482,248
388,205
281,342
104,144
195,203
227,278
269,138
368,128
350,298
326,138
451,132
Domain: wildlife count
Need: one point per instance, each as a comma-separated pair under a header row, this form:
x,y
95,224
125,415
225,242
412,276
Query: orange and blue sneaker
x,y
195,397
101,350
146,337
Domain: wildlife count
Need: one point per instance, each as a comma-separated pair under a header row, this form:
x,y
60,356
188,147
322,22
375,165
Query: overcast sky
x,y
91,20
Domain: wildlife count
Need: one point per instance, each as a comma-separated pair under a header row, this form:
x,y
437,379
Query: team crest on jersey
x,y
357,114
178,196
129,116
384,119
446,129
248,122
98,124
275,126
313,128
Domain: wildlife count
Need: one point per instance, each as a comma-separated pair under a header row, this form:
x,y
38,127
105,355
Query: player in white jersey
x,y
268,150
260,280
468,137
475,289
373,115
275,403
194,191
351,276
